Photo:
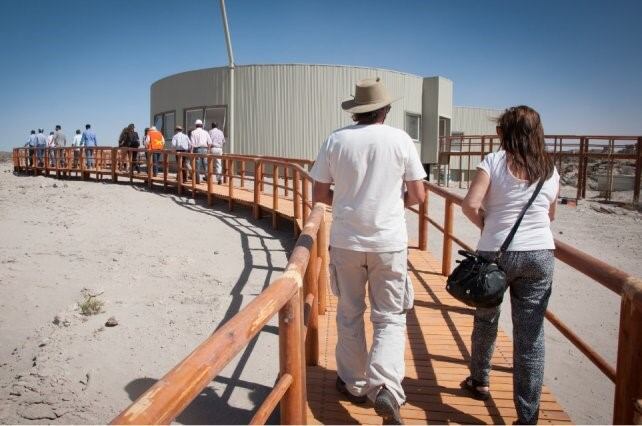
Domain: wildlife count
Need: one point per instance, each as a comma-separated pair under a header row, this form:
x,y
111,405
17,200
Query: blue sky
x,y
70,62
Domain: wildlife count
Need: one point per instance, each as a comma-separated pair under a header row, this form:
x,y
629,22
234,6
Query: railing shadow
x,y
210,408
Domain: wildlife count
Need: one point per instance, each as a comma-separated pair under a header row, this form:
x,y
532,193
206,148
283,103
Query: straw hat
x,y
370,95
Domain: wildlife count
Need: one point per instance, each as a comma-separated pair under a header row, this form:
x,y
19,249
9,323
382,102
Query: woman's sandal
x,y
472,386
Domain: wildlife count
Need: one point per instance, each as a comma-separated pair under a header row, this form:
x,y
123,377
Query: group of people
x,y
39,145
369,173
197,140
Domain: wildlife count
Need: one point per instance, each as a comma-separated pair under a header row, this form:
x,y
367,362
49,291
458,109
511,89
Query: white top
x,y
180,141
218,139
506,197
50,141
77,140
200,138
368,165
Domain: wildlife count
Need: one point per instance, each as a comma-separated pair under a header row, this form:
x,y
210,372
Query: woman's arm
x,y
553,206
472,204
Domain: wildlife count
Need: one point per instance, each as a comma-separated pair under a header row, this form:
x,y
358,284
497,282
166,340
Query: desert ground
x,y
169,271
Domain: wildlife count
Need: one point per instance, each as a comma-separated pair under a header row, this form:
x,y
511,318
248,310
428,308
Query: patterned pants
x,y
530,277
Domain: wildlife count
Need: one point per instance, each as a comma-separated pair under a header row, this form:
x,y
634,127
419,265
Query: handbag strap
x,y
513,231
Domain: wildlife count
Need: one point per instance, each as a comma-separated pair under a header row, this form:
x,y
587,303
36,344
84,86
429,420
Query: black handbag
x,y
479,282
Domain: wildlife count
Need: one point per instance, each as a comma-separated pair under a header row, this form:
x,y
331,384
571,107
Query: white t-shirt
x,y
505,199
368,165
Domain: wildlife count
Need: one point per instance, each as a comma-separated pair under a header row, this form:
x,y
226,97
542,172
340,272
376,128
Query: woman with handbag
x,y
512,199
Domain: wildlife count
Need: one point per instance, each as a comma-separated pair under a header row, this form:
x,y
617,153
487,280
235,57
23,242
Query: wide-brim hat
x,y
369,95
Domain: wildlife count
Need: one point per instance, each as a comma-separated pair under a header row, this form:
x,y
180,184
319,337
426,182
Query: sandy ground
x,y
170,272
170,289
587,307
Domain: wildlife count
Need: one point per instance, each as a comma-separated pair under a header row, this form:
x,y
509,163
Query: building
x,y
288,110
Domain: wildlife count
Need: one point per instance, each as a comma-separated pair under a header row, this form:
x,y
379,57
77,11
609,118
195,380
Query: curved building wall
x,y
283,110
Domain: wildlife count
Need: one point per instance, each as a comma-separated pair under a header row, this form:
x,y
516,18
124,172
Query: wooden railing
x,y
461,150
626,375
299,295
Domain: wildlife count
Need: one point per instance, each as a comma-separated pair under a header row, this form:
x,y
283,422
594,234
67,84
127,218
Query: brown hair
x,y
370,117
522,137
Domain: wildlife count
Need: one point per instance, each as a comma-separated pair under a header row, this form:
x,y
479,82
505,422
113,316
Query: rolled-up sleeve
x,y
321,170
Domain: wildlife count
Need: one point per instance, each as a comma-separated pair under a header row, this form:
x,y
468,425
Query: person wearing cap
x,y
376,173
200,142
154,142
180,143
218,140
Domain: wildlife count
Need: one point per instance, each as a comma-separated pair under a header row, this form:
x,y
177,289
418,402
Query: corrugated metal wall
x,y
197,88
283,110
474,121
288,110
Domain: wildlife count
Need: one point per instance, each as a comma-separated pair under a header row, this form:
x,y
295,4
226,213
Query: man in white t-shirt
x,y
376,173
218,140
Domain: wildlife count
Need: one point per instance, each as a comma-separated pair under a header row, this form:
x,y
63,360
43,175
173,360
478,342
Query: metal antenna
x,y
230,57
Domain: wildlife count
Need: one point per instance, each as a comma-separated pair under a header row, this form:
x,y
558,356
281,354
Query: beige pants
x,y
391,294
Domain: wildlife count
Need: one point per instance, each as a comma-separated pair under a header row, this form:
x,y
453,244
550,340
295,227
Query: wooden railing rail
x,y
298,295
628,385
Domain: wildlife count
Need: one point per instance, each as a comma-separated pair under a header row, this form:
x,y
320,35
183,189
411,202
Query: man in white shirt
x,y
181,142
200,142
369,164
51,145
218,140
77,143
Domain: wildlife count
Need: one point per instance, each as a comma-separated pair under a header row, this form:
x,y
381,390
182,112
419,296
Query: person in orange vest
x,y
154,142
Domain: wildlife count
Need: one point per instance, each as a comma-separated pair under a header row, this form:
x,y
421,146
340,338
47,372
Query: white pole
x,y
230,57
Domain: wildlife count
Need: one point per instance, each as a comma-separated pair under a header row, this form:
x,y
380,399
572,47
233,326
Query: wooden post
x,y
165,167
285,181
149,168
296,202
210,168
230,183
257,189
194,174
638,172
580,170
293,409
275,195
114,153
324,274
242,172
446,257
47,161
304,199
423,224
262,179
180,173
311,286
628,386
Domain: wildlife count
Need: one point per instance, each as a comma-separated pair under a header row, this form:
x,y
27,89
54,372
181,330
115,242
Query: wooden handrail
x,y
628,385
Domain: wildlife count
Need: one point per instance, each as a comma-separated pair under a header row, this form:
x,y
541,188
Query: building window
x,y
208,115
165,123
413,126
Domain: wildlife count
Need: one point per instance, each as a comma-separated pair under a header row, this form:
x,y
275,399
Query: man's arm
x,y
415,193
322,193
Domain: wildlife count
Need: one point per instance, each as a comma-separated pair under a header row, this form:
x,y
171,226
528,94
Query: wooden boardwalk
x,y
437,351
437,348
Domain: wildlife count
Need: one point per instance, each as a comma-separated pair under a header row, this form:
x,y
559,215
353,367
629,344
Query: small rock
x,y
44,343
111,322
61,320
55,185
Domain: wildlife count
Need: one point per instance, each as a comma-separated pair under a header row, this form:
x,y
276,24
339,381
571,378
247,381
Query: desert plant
x,y
91,306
